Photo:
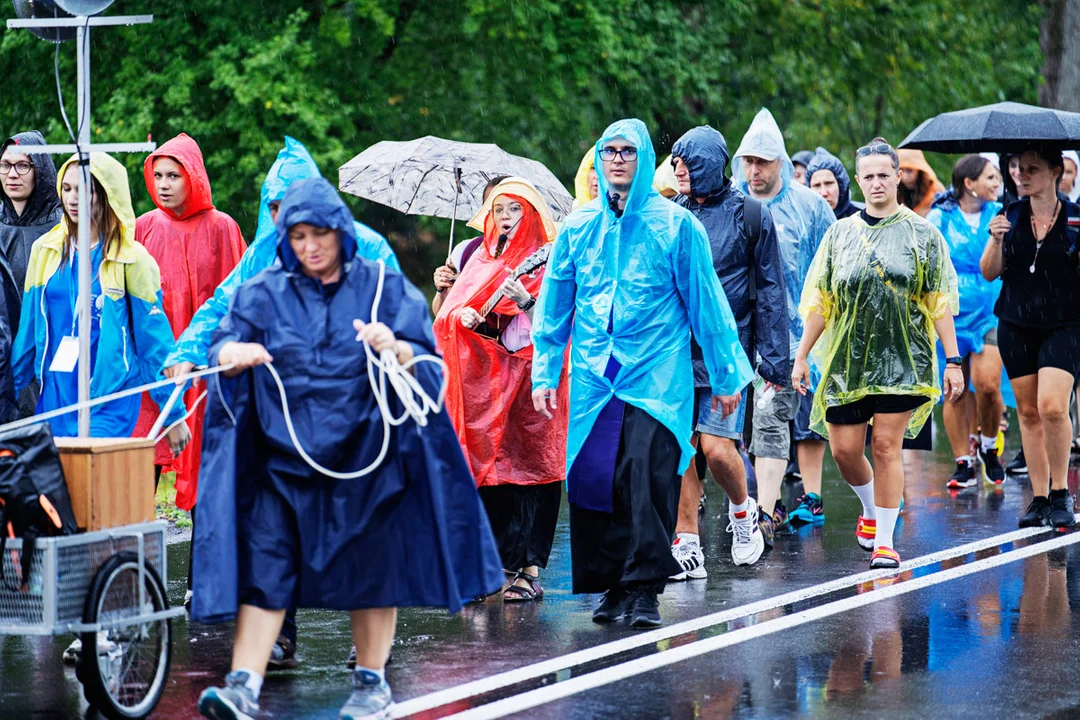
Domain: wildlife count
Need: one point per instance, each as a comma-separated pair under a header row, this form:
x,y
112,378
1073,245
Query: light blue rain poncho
x,y
293,163
632,288
801,215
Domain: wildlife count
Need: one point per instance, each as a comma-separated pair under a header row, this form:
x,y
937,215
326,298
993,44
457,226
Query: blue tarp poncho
x,y
800,215
293,163
325,541
631,288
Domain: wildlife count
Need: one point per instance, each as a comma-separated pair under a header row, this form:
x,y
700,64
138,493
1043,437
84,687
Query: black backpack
x,y
751,213
34,500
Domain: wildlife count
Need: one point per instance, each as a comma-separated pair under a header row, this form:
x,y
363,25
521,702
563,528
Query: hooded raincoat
x,y
273,532
825,160
631,288
582,195
132,335
800,215
763,327
880,289
195,250
293,163
41,214
913,161
489,388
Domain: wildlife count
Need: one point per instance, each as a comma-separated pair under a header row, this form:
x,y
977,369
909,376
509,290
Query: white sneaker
x,y
71,655
74,650
747,543
689,555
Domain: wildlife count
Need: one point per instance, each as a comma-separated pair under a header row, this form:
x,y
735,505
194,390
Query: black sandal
x,y
517,593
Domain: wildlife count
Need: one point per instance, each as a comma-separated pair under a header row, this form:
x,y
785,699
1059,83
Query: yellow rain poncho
x,y
880,290
664,182
581,180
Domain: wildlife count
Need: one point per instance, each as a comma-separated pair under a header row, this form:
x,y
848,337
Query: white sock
x,y
381,672
254,682
964,458
973,437
988,443
886,522
689,538
742,507
866,497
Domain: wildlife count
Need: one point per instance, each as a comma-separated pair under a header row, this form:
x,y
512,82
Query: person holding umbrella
x,y
1034,252
516,458
879,291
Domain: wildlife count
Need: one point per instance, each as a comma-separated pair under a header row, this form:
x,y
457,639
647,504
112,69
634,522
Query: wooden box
x,y
110,480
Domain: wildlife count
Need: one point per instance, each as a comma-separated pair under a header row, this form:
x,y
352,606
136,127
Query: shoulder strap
x,y
752,223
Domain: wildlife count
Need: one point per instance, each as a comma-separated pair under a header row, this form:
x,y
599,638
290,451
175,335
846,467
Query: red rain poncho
x,y
489,390
195,251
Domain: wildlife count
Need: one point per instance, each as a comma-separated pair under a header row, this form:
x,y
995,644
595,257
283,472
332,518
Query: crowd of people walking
x,y
721,314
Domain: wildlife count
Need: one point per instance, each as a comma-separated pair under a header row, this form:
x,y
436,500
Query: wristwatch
x,y
527,305
955,360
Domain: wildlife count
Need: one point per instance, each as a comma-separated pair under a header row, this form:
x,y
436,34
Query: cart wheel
x,y
126,675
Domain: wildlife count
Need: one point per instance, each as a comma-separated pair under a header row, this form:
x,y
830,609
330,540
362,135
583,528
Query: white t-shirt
x,y
972,219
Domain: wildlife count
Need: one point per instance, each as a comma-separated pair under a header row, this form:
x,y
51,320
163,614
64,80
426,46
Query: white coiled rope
x,y
415,401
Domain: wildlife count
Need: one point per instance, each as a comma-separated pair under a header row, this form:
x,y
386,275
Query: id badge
x,y
66,355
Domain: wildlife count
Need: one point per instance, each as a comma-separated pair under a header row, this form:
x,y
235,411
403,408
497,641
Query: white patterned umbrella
x,y
442,178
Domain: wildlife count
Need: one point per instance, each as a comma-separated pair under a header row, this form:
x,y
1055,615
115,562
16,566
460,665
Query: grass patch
x,y
165,502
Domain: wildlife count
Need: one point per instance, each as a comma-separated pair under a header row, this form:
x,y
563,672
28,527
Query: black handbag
x,y
34,499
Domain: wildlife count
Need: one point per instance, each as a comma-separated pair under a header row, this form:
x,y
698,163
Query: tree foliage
x,y
541,78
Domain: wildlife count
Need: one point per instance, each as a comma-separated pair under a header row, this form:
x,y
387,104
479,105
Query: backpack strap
x,y
752,223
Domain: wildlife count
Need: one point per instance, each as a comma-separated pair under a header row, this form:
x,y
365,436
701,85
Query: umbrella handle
x,y
453,218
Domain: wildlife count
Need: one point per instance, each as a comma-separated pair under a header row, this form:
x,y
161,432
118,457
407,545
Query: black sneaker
x,y
645,609
1018,466
1061,509
993,472
1038,513
613,606
283,656
964,477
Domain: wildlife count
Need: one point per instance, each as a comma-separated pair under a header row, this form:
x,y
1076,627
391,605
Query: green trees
x,y
540,78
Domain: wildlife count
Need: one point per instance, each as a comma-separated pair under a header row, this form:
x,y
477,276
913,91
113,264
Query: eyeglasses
x,y
628,154
21,168
879,149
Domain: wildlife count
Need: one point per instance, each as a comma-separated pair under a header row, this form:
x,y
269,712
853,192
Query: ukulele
x,y
529,267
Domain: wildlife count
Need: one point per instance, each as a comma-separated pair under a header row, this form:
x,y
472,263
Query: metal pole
x,y
85,287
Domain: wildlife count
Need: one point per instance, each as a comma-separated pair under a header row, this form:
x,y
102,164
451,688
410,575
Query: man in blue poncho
x,y
273,531
630,275
293,163
764,171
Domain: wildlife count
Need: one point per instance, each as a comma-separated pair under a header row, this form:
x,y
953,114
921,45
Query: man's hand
x,y
541,399
727,403
178,370
178,438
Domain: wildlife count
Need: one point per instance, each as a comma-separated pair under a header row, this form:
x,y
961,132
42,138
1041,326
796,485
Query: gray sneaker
x,y
370,699
232,702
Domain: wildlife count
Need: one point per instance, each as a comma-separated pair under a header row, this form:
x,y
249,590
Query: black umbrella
x,y
1005,127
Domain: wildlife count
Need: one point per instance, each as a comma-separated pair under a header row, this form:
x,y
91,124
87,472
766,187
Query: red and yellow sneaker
x,y
884,557
865,532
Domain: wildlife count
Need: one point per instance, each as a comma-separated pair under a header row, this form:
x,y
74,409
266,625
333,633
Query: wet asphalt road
x,y
997,642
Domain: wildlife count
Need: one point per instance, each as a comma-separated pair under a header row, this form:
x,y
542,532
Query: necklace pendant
x,y
1031,269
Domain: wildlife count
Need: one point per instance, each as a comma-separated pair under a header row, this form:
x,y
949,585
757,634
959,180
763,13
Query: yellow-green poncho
x,y
880,290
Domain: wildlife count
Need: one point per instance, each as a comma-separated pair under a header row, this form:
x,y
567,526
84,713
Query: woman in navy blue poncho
x,y
272,531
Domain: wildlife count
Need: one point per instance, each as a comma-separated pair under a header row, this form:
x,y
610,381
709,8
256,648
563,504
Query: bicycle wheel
x,y
123,668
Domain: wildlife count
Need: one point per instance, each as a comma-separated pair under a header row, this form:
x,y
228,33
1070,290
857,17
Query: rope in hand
x,y
416,402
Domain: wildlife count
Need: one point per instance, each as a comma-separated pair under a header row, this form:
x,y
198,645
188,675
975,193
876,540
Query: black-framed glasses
x,y
21,168
628,154
876,149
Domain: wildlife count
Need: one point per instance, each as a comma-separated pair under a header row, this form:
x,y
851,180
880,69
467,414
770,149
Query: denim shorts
x,y
713,422
801,425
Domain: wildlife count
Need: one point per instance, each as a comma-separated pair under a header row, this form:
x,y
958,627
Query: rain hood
x,y
824,160
41,214
314,201
915,161
186,152
581,180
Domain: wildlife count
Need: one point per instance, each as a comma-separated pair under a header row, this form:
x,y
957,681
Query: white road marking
x,y
544,695
545,667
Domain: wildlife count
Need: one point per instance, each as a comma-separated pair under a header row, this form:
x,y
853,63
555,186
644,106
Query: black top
x,y
1049,297
869,219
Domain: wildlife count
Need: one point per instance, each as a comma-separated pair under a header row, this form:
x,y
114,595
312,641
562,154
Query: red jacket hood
x,y
184,150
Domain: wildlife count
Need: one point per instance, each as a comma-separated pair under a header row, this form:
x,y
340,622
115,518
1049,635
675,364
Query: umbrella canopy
x,y
442,178
1005,127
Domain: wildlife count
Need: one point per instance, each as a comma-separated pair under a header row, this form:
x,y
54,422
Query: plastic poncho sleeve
x,y
373,246
718,335
192,346
940,294
554,316
817,297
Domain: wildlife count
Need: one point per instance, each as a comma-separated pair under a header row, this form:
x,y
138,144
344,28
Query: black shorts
x,y
1025,351
861,411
